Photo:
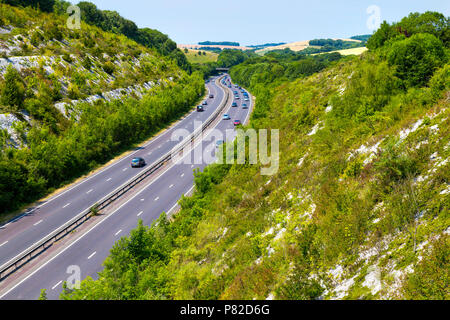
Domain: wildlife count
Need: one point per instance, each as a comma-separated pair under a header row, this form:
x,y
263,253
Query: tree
x,y
417,58
43,295
12,91
229,58
113,22
90,13
429,22
434,23
383,34
60,7
44,5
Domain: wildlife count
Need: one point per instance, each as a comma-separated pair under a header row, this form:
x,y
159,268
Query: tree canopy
x,y
417,58
430,22
44,5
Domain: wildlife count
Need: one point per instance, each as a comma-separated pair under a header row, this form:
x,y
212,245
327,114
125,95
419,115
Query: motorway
x,y
90,250
20,234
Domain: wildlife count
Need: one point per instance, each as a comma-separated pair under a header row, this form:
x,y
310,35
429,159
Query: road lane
x,y
21,234
89,251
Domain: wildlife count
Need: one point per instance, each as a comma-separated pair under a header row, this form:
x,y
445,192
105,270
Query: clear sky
x,y
262,21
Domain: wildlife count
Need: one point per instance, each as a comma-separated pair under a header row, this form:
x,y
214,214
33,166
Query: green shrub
x,y
432,275
12,89
66,56
36,38
109,67
417,58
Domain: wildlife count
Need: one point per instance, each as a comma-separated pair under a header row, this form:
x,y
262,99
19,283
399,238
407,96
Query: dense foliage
x,y
226,59
245,236
279,66
44,5
364,38
417,58
433,23
111,21
229,58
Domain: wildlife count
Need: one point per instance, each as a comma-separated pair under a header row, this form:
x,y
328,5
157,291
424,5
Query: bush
x,y
440,81
12,90
53,32
429,22
417,58
109,67
395,165
66,57
36,38
432,275
87,63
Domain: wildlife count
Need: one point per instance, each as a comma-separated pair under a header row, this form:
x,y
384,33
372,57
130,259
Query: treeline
x,y
364,38
211,49
103,130
278,66
223,43
111,21
432,23
262,46
227,58
44,5
328,45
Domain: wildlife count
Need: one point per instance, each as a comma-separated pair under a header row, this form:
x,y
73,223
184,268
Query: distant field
x,y
197,46
193,56
296,46
355,51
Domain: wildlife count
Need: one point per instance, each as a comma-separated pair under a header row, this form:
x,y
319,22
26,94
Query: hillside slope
x,y
359,208
71,99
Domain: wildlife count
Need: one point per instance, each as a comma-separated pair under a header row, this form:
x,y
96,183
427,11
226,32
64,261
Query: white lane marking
x,y
192,166
142,199
157,198
3,243
146,144
125,169
182,175
171,186
101,221
149,153
140,213
54,287
109,180
37,223
66,205
117,233
92,255
89,191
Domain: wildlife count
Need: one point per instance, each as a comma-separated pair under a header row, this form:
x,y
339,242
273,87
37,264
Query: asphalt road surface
x,y
90,250
17,236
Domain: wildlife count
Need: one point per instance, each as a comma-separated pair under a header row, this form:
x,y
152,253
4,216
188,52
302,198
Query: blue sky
x,y
262,21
